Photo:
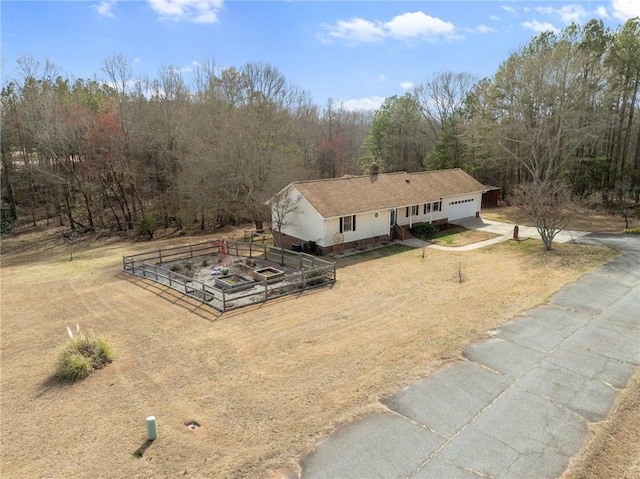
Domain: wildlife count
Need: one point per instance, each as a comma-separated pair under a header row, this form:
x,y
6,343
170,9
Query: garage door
x,y
463,208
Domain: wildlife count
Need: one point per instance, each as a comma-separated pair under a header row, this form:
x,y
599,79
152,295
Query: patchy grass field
x,y
265,383
461,237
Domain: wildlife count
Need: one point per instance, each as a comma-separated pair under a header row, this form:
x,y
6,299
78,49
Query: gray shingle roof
x,y
360,194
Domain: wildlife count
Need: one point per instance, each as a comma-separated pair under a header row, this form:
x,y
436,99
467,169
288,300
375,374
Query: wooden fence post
x,y
160,255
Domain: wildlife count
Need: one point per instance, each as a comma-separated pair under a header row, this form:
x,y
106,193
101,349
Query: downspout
x,y
324,236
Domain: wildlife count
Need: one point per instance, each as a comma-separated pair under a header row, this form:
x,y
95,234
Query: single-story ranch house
x,y
354,211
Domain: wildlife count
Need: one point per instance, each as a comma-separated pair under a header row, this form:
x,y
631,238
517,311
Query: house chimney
x,y
373,169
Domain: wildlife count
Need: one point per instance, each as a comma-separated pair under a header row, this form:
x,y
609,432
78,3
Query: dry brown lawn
x,y
593,222
265,383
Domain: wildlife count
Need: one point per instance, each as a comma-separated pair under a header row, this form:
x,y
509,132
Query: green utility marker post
x,y
152,430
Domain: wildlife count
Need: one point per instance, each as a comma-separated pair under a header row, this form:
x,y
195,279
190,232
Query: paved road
x,y
520,403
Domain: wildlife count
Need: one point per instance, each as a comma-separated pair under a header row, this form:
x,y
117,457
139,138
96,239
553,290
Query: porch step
x,y
402,233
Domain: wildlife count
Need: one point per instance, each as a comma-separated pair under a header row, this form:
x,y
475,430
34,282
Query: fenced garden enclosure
x,y
228,275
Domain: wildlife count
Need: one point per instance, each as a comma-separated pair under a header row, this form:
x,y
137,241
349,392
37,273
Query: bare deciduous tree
x,y
283,208
441,96
550,205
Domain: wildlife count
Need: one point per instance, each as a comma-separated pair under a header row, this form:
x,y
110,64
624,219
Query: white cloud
x,y
105,7
417,24
407,85
382,77
508,8
566,13
602,12
572,13
495,18
625,9
356,29
540,27
483,29
368,103
196,11
404,27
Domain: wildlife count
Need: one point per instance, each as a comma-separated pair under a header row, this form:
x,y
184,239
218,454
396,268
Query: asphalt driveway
x,y
520,403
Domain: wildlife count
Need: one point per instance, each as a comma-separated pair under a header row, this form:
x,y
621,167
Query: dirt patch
x,y
264,383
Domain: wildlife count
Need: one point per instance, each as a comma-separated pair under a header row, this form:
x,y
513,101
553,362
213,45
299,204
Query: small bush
x,y
423,230
84,354
148,225
6,220
632,231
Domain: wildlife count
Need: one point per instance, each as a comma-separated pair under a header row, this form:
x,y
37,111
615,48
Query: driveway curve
x,y
520,403
504,230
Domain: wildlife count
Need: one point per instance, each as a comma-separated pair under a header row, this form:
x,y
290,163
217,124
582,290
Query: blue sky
x,y
355,52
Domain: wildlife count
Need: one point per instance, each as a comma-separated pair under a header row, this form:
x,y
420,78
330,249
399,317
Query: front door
x,y
392,222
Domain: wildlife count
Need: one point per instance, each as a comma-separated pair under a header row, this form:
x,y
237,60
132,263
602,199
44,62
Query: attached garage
x,y
462,208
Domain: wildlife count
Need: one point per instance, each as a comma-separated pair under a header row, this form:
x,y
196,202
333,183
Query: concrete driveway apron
x,y
520,404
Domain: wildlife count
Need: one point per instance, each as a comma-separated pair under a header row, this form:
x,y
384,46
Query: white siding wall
x,y
307,225
367,226
421,217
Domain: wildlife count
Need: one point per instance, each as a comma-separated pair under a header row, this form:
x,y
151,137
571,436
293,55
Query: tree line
x,y
564,107
126,153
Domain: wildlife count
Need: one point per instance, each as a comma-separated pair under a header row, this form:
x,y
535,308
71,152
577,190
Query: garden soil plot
x,y
203,269
265,383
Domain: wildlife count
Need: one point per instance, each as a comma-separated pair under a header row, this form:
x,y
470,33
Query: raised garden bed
x,y
268,274
233,283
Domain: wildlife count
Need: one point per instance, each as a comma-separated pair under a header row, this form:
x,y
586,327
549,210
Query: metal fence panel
x,y
312,272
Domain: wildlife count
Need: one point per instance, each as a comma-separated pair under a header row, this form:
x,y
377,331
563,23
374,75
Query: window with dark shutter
x,y
347,223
